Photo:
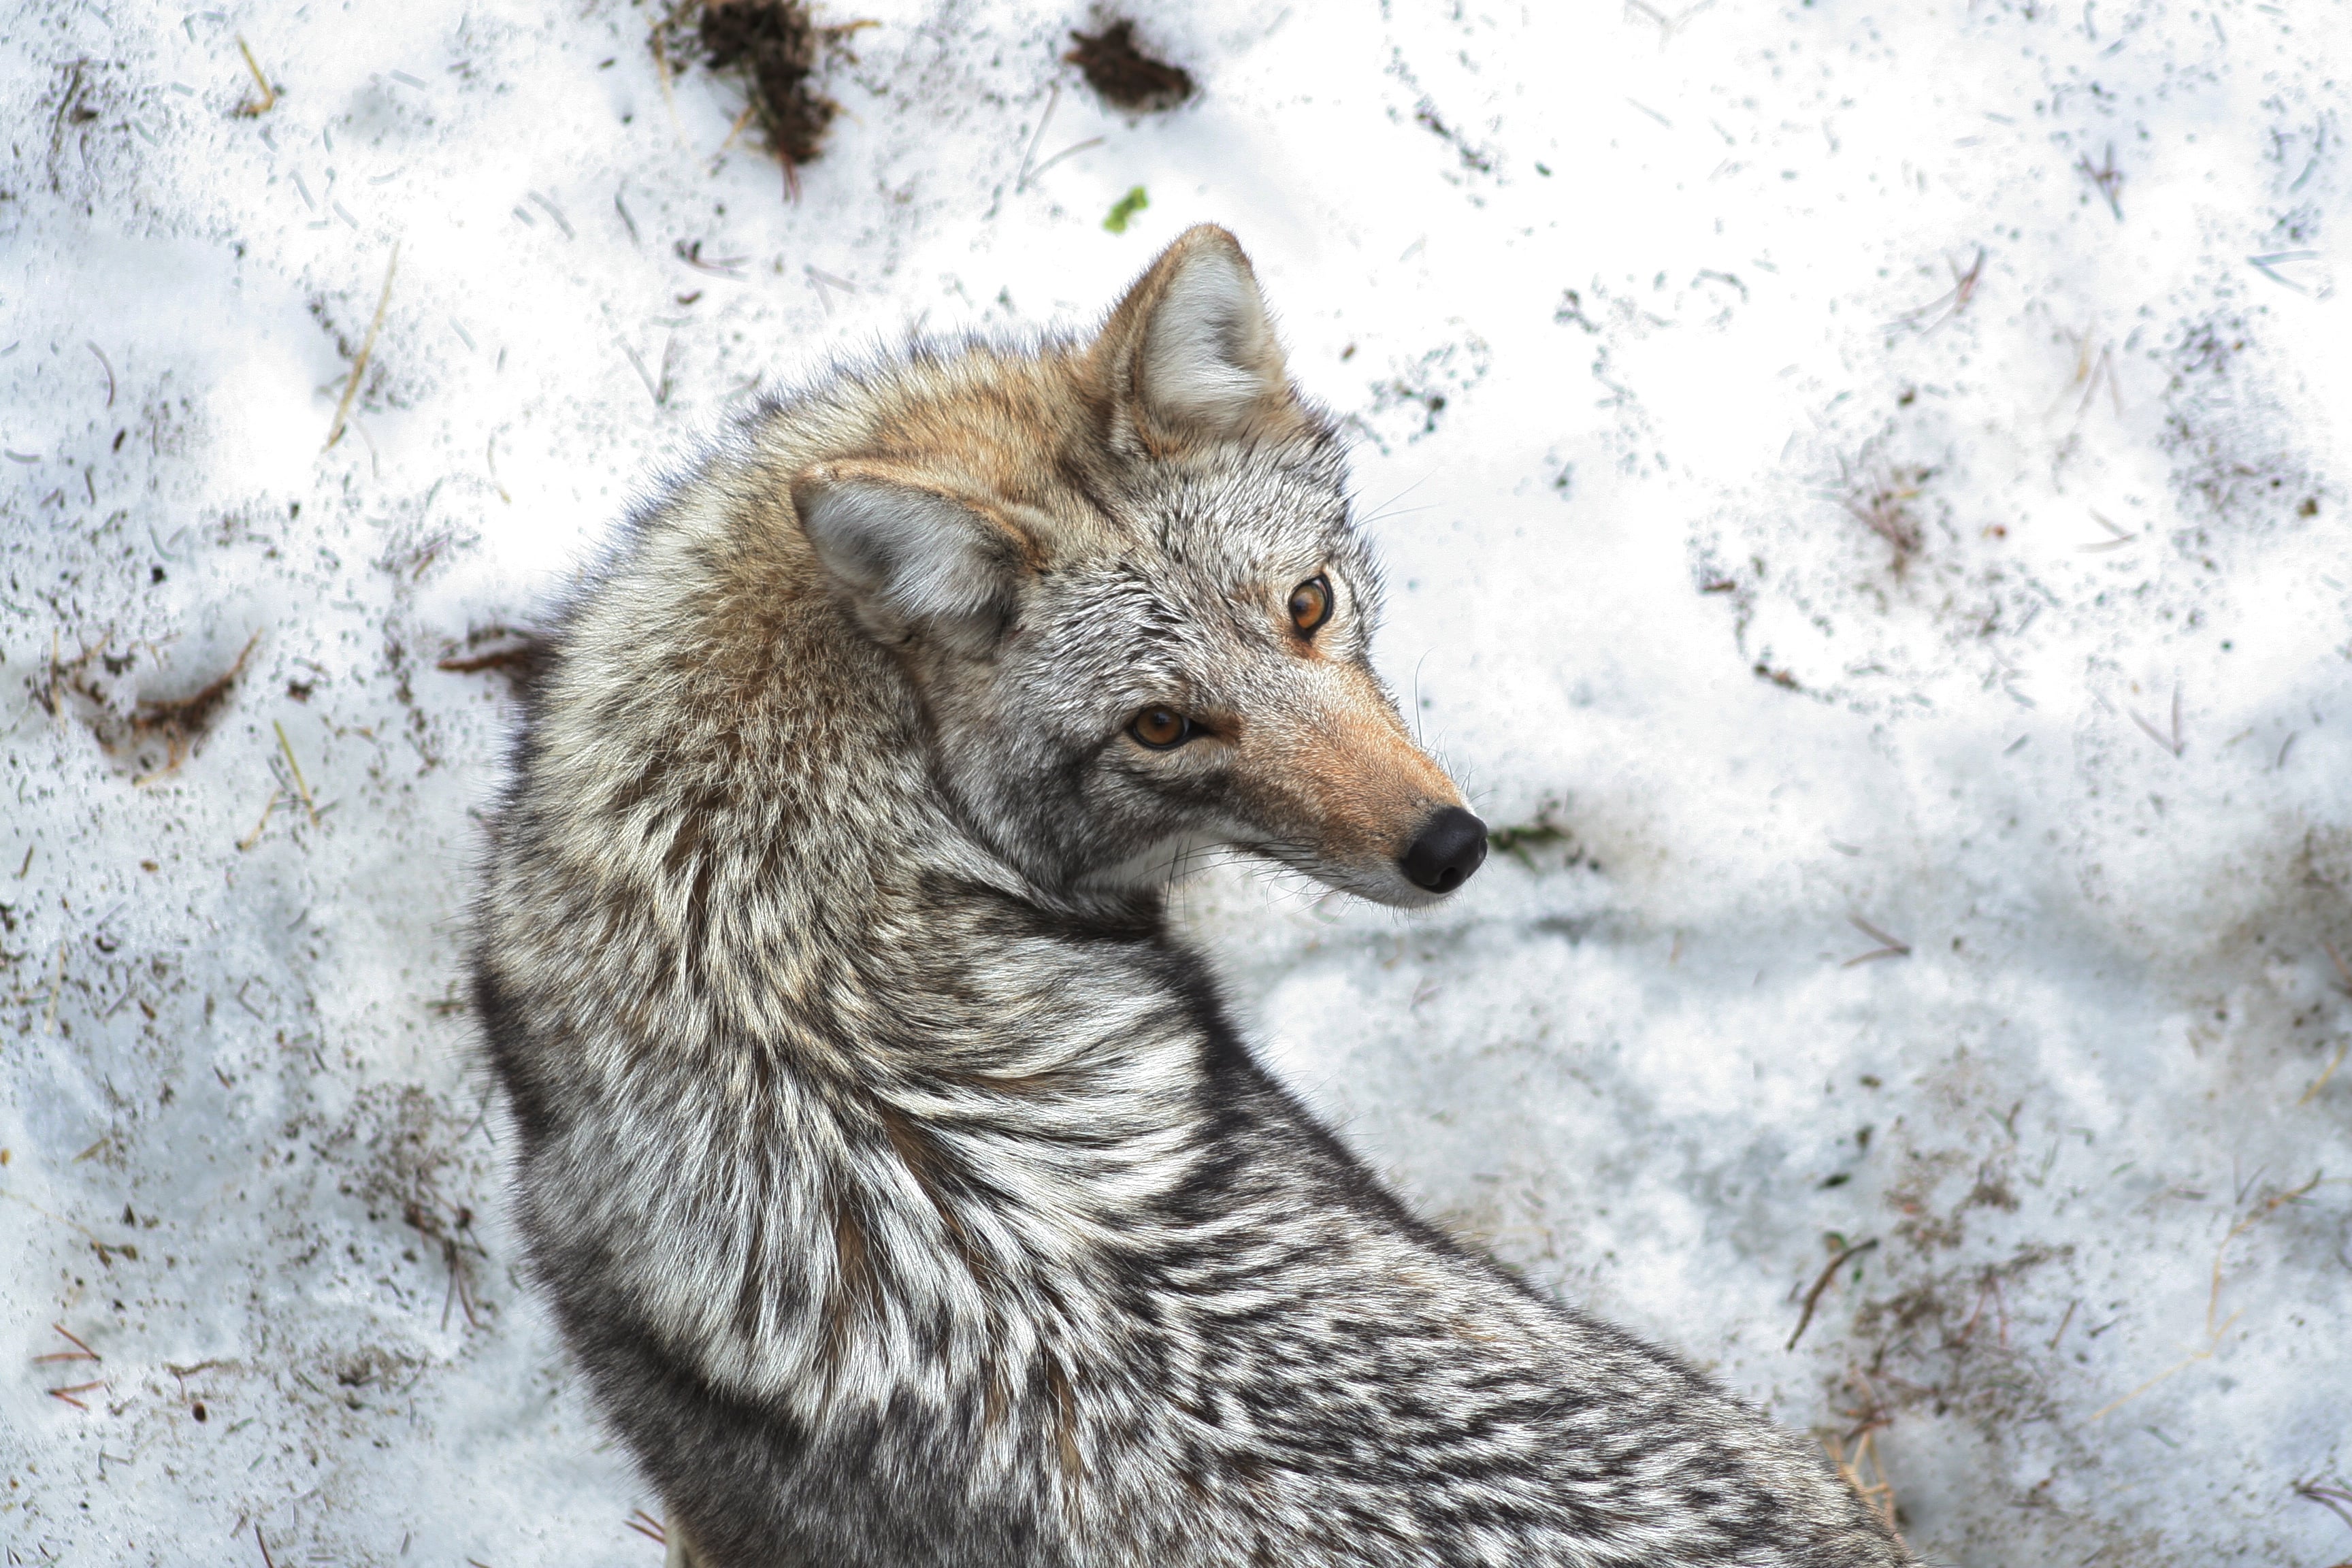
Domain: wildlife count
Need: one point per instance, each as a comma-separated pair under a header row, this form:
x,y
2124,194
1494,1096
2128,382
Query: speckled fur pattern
x,y
902,1186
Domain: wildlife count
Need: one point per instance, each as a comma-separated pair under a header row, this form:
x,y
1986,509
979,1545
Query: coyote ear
x,y
1190,349
915,558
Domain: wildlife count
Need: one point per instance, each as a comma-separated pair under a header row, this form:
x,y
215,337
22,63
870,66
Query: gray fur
x,y
900,1182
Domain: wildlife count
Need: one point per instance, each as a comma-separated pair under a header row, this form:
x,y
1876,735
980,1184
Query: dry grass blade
x,y
66,1396
2214,1329
2268,266
657,390
669,91
2174,742
2321,1081
1880,499
2103,1411
269,805
2335,1498
2106,178
1072,151
301,785
268,93
736,129
56,989
1052,100
110,369
2343,974
367,347
2116,538
82,1350
1890,946
1950,304
727,267
1865,1472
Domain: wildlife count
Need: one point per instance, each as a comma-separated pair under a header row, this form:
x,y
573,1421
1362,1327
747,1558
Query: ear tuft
x,y
914,558
1191,347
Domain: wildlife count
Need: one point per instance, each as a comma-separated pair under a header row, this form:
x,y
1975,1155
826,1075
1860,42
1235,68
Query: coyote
x,y
902,1185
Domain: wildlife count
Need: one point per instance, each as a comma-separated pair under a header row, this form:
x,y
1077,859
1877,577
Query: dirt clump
x,y
1123,74
778,48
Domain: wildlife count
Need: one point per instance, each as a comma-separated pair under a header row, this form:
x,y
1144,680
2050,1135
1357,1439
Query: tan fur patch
x,y
1342,768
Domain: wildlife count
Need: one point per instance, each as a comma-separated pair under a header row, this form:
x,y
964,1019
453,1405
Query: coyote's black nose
x,y
1448,848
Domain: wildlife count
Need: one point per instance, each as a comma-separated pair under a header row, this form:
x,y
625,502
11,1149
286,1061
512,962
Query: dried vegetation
x,y
1880,496
518,654
777,50
149,737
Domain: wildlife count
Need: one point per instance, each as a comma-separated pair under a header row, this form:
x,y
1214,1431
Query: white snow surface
x,y
1973,903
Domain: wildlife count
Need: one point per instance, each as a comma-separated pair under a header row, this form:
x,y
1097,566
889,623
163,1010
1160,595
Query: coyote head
x,y
1122,577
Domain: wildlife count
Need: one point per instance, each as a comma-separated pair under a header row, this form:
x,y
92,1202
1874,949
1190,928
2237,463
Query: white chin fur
x,y
1384,884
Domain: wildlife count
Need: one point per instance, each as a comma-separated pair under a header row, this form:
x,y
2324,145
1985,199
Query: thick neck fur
x,y
807,962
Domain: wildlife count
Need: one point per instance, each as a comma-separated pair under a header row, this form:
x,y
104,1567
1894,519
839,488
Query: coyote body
x,y
900,1183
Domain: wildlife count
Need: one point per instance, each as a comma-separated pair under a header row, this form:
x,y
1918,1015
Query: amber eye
x,y
1161,729
1310,603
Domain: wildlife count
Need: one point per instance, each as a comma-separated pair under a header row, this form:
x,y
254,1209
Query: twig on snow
x,y
82,1350
2335,1498
2172,743
2268,266
2107,178
2118,538
110,369
1889,946
1052,99
1813,1296
65,1396
1952,301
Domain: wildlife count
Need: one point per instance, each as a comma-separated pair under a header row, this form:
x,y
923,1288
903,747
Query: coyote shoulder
x,y
899,1181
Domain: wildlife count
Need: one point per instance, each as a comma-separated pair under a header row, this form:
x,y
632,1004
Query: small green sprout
x,y
1126,207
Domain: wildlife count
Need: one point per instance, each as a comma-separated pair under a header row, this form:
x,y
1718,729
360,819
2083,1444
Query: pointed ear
x,y
915,558
1190,350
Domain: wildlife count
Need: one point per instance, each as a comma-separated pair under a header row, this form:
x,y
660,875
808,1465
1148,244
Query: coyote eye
x,y
1161,729
1310,603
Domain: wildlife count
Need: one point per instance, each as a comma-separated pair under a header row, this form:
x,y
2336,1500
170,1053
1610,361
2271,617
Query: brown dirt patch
x,y
776,47
1123,74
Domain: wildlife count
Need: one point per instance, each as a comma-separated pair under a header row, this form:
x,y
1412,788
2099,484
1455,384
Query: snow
x,y
1638,316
